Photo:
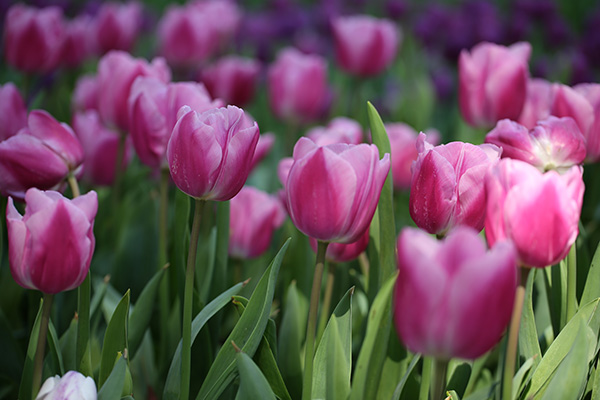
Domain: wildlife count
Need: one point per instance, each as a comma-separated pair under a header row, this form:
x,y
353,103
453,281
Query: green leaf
x,y
592,284
83,360
66,345
115,339
374,348
266,361
333,358
142,312
596,386
453,395
253,384
409,370
113,386
529,346
173,382
519,380
54,349
247,333
26,390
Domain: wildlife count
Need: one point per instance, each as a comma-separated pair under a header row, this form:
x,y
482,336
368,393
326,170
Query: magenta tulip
x,y
13,113
254,216
77,45
332,191
71,385
344,252
85,94
50,248
538,211
447,185
453,298
264,145
339,130
555,143
537,103
117,26
117,71
232,79
365,45
41,155
493,82
33,38
290,97
210,154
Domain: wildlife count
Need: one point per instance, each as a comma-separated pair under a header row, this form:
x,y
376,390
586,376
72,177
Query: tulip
x,y
344,252
117,26
290,96
447,185
493,82
538,211
339,130
72,385
264,145
332,191
85,94
117,71
13,113
365,45
403,142
77,45
453,298
153,107
582,103
232,79
41,155
223,16
51,246
555,143
33,38
537,103
254,216
100,146
210,154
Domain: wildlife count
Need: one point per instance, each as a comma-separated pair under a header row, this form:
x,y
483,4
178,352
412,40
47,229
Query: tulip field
x,y
295,200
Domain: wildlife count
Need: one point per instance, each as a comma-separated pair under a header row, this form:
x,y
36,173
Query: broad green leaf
x,y
142,312
592,283
529,346
172,385
596,386
113,386
453,395
253,384
83,360
333,358
458,375
115,339
519,380
394,365
266,360
374,348
372,280
476,369
222,247
66,346
402,383
26,390
54,350
247,333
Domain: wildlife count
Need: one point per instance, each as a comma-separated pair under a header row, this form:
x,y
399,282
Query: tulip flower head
x,y
13,113
332,191
50,247
537,103
339,130
453,298
72,385
232,79
117,26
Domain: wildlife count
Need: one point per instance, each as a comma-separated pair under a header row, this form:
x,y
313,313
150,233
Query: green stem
x,y
41,343
326,300
425,378
510,358
163,293
186,350
438,384
74,186
312,321
571,283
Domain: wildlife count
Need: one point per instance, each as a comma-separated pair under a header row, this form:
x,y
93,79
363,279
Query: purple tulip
x,y
453,298
13,113
232,79
72,385
117,26
85,94
77,46
339,130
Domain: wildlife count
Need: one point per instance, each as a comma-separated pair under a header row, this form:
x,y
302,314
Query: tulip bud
x,y
13,113
339,130
210,154
343,252
537,103
50,248
365,45
72,385
117,26
493,82
77,45
538,211
447,185
232,79
85,94
453,298
332,191
264,145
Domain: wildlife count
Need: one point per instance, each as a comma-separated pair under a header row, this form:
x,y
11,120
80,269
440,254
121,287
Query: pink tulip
x,y
537,103
41,155
403,142
254,216
290,96
365,45
100,146
210,154
77,46
33,38
85,94
232,79
117,26
339,130
13,113
116,72
453,298
343,252
332,191
447,185
223,16
264,145
50,248
538,211
493,82
72,385
582,103
555,143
